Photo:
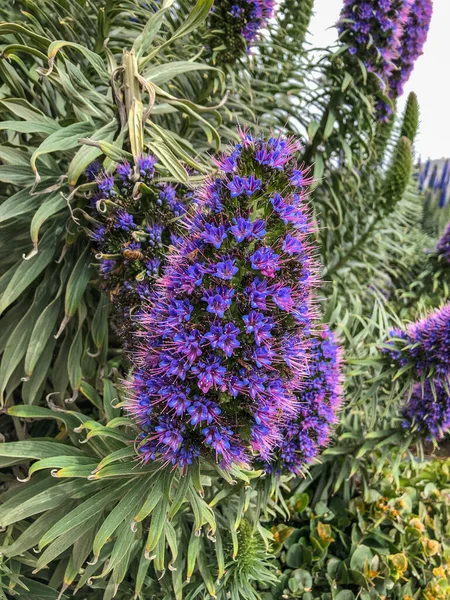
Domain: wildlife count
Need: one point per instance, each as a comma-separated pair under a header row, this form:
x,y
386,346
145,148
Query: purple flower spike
x,y
443,245
137,245
319,400
428,410
387,37
425,345
238,24
225,346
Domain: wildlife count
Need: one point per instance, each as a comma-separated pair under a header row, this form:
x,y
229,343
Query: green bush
x,y
390,541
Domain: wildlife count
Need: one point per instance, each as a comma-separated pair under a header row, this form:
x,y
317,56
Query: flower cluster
x,y
137,220
413,39
236,25
373,30
388,37
443,245
425,345
428,410
226,342
319,399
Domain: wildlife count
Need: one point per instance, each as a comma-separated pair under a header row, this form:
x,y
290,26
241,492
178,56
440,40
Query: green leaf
x,y
329,126
99,327
28,270
18,204
361,556
156,530
151,28
35,449
123,510
93,505
87,154
64,541
164,73
94,59
60,141
50,207
41,331
198,14
44,501
77,283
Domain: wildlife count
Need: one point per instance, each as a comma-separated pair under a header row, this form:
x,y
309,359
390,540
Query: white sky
x,y
430,79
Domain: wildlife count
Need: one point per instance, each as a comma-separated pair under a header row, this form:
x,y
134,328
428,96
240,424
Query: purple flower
x,y
377,34
123,170
282,296
259,325
213,235
237,186
218,300
237,25
124,221
225,269
209,374
265,260
146,165
93,170
107,265
414,36
443,245
211,349
258,293
242,229
318,402
105,184
292,245
424,345
203,411
428,410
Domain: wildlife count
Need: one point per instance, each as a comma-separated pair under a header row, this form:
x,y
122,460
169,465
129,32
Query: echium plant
x,y
226,342
424,345
136,219
235,25
428,409
373,32
413,39
443,246
319,399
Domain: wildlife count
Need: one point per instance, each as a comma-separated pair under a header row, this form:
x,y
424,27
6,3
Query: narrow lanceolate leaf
x,y
42,330
163,73
192,553
77,283
195,18
50,207
38,449
93,58
74,362
31,536
69,418
87,509
46,500
60,141
123,510
157,525
28,270
65,541
99,326
16,347
90,393
87,154
151,28
18,204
